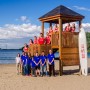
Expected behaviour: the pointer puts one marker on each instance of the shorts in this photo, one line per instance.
(37, 67)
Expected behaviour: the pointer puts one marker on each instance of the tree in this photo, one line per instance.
(88, 39)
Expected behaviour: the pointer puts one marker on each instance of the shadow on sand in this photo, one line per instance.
(71, 72)
(68, 72)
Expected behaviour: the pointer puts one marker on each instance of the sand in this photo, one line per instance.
(71, 80)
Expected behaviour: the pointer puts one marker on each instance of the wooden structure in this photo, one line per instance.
(39, 48)
(67, 42)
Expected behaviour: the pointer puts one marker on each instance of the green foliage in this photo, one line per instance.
(21, 48)
(88, 40)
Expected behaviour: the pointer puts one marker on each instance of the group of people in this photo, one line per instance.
(47, 40)
(36, 65)
(41, 40)
(44, 40)
(70, 28)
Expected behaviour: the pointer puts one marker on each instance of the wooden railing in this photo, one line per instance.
(69, 39)
(39, 48)
(70, 52)
(55, 40)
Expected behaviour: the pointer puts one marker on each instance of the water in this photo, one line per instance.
(8, 56)
(88, 55)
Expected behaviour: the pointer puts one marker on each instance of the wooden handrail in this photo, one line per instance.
(69, 39)
(39, 48)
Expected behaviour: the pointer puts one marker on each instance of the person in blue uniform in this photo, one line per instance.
(51, 63)
(33, 67)
(25, 62)
(37, 60)
(43, 67)
(22, 59)
(29, 63)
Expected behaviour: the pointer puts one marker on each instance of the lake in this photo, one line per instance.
(8, 56)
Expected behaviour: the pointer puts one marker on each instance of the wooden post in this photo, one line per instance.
(43, 28)
(60, 46)
(50, 24)
(80, 24)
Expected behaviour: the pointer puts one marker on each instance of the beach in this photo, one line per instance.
(71, 80)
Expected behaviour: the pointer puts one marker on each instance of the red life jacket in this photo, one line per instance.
(25, 49)
(30, 43)
(72, 29)
(48, 41)
(35, 41)
(41, 40)
(50, 31)
(56, 29)
(67, 29)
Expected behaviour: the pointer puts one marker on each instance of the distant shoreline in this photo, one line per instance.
(10, 49)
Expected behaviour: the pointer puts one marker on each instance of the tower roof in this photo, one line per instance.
(61, 11)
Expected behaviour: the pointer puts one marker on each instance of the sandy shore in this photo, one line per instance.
(71, 80)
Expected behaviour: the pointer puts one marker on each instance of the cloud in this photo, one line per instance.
(14, 36)
(82, 8)
(13, 31)
(86, 26)
(10, 31)
(23, 19)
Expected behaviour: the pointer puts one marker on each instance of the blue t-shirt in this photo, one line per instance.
(22, 57)
(50, 58)
(37, 59)
(33, 63)
(25, 61)
(29, 61)
(43, 58)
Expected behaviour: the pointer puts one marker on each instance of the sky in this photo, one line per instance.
(19, 18)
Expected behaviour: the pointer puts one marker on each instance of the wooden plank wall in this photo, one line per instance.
(70, 52)
(55, 40)
(39, 48)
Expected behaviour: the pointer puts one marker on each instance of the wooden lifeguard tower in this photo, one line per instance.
(68, 41)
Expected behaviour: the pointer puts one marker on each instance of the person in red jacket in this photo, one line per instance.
(65, 35)
(30, 42)
(50, 31)
(47, 39)
(73, 27)
(35, 40)
(68, 28)
(56, 28)
(25, 49)
(41, 39)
